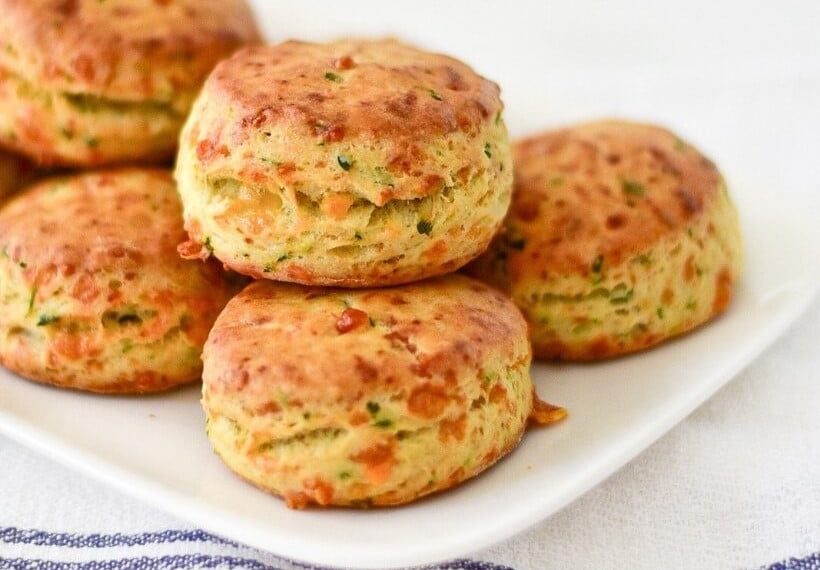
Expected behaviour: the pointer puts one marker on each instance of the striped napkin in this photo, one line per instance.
(166, 550)
(24, 549)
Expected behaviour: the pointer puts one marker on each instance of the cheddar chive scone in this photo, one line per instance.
(354, 163)
(86, 82)
(367, 397)
(93, 294)
(620, 236)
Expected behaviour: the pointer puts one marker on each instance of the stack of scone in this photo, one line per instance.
(93, 294)
(360, 164)
(350, 180)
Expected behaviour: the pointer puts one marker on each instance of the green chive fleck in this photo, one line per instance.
(382, 176)
(46, 320)
(598, 264)
(267, 268)
(659, 312)
(621, 295)
(31, 299)
(358, 236)
(488, 151)
(208, 245)
(373, 408)
(434, 94)
(344, 162)
(632, 187)
(384, 423)
(424, 227)
(330, 76)
(91, 142)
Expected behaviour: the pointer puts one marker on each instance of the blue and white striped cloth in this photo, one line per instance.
(30, 549)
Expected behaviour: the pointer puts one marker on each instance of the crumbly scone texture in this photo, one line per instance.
(620, 235)
(367, 397)
(86, 82)
(354, 163)
(15, 172)
(93, 294)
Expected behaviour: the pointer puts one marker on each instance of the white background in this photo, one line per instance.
(710, 69)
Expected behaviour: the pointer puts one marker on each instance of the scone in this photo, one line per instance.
(93, 295)
(620, 235)
(367, 397)
(15, 172)
(354, 164)
(91, 82)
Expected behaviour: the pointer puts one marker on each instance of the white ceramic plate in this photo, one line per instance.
(155, 447)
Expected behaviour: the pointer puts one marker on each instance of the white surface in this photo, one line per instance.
(737, 485)
(746, 92)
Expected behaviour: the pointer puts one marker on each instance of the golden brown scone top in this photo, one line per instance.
(126, 220)
(121, 49)
(417, 341)
(602, 190)
(353, 88)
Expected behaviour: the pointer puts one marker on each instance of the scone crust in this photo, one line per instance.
(382, 88)
(372, 397)
(353, 163)
(77, 75)
(620, 235)
(129, 50)
(94, 294)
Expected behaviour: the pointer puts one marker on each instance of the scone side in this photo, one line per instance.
(397, 458)
(248, 214)
(680, 282)
(65, 129)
